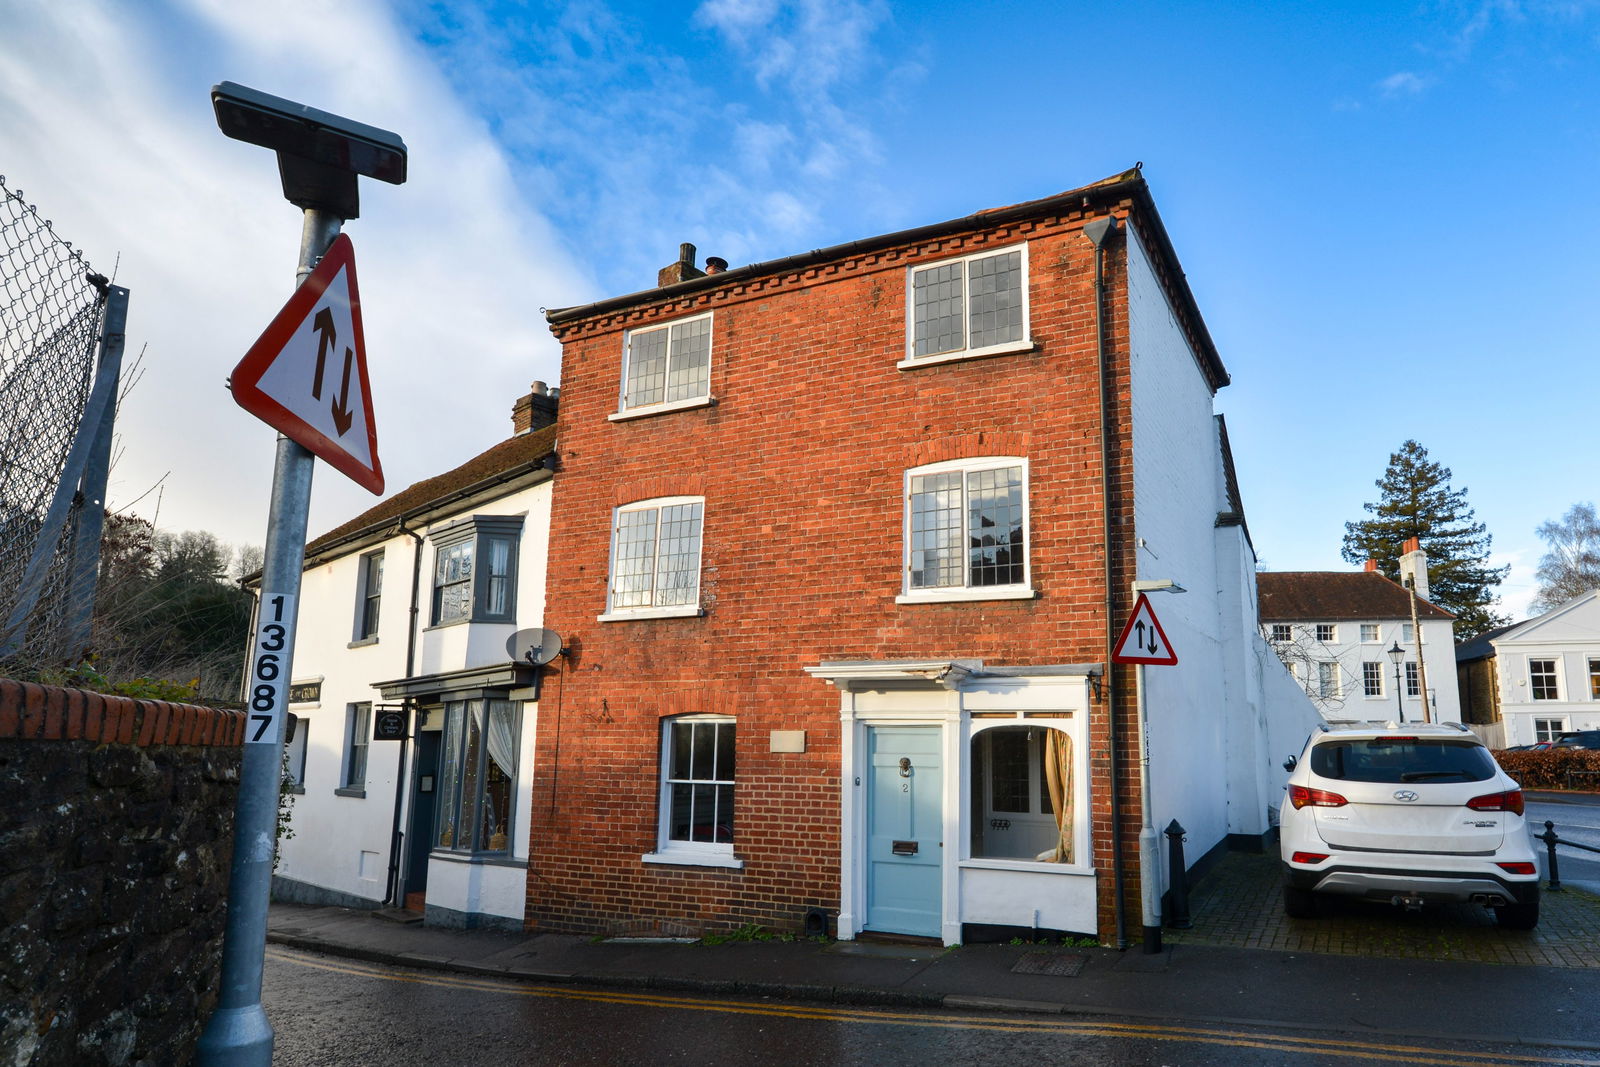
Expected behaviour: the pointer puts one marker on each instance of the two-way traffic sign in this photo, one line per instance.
(1143, 640)
(306, 376)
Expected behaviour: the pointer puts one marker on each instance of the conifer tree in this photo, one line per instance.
(1418, 501)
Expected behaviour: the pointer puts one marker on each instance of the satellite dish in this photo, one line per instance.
(538, 647)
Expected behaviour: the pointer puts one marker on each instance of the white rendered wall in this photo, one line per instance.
(1570, 634)
(1176, 499)
(1349, 652)
(342, 843)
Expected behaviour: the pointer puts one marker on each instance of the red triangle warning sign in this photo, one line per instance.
(306, 376)
(1143, 640)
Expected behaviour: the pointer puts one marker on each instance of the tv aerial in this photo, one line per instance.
(537, 647)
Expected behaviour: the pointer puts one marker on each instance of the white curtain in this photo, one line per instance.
(501, 736)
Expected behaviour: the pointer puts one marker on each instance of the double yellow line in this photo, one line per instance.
(1366, 1051)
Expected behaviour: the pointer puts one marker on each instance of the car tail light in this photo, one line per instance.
(1510, 800)
(1318, 857)
(1518, 868)
(1303, 796)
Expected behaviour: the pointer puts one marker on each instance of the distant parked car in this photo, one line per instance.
(1408, 814)
(1578, 739)
(1537, 746)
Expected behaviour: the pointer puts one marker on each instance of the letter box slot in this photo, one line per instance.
(905, 848)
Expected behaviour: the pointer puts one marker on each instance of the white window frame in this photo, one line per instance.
(1327, 632)
(1546, 728)
(1022, 590)
(625, 410)
(1408, 634)
(1370, 632)
(1594, 679)
(615, 613)
(1554, 675)
(357, 749)
(689, 853)
(1328, 679)
(1021, 344)
(1413, 679)
(1371, 669)
(1280, 631)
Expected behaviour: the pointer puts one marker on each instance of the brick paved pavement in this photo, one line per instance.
(1239, 904)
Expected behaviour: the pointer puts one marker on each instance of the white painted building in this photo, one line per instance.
(1545, 672)
(406, 611)
(1336, 632)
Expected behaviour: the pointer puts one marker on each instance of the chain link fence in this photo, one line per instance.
(50, 315)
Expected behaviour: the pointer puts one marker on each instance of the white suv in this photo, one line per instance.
(1407, 813)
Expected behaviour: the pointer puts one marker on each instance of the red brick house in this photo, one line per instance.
(835, 585)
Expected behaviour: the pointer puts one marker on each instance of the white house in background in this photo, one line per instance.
(1545, 672)
(1336, 630)
(407, 609)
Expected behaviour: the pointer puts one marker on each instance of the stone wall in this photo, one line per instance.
(116, 832)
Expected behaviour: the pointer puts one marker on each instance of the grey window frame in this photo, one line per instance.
(480, 531)
(369, 603)
(357, 749)
(450, 797)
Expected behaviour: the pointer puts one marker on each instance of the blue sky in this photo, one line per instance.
(1386, 211)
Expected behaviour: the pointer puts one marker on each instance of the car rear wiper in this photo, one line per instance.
(1417, 776)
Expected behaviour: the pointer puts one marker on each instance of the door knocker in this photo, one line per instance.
(905, 766)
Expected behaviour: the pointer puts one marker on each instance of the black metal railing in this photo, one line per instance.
(1551, 839)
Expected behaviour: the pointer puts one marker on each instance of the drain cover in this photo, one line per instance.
(1059, 964)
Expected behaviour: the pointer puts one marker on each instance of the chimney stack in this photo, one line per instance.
(1414, 567)
(1370, 567)
(681, 271)
(536, 410)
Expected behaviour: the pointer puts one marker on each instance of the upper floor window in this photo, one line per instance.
(1372, 678)
(1369, 631)
(1327, 632)
(655, 558)
(1542, 679)
(1282, 631)
(973, 306)
(966, 530)
(369, 594)
(667, 366)
(697, 791)
(1327, 680)
(475, 570)
(1408, 634)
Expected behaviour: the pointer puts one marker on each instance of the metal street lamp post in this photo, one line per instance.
(1396, 654)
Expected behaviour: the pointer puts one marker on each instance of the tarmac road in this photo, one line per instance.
(330, 1012)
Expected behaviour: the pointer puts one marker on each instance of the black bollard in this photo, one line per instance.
(1178, 895)
(1549, 838)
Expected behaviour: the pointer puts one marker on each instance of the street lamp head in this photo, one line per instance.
(319, 154)
(1396, 654)
(1158, 585)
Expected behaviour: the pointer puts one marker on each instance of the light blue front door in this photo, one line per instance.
(905, 829)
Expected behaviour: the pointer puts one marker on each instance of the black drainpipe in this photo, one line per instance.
(393, 893)
(1099, 231)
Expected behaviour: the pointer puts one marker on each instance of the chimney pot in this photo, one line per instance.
(716, 264)
(540, 389)
(1371, 566)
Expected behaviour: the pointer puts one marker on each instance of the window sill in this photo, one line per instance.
(346, 791)
(913, 362)
(362, 642)
(661, 409)
(679, 611)
(298, 789)
(481, 859)
(1031, 866)
(694, 859)
(953, 596)
(464, 620)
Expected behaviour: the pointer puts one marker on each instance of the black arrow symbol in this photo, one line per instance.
(341, 409)
(323, 323)
(1138, 634)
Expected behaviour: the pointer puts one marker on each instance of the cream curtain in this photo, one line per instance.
(1058, 779)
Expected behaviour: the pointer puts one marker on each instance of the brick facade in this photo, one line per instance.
(801, 462)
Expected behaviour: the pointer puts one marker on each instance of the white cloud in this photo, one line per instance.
(1403, 83)
(109, 129)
